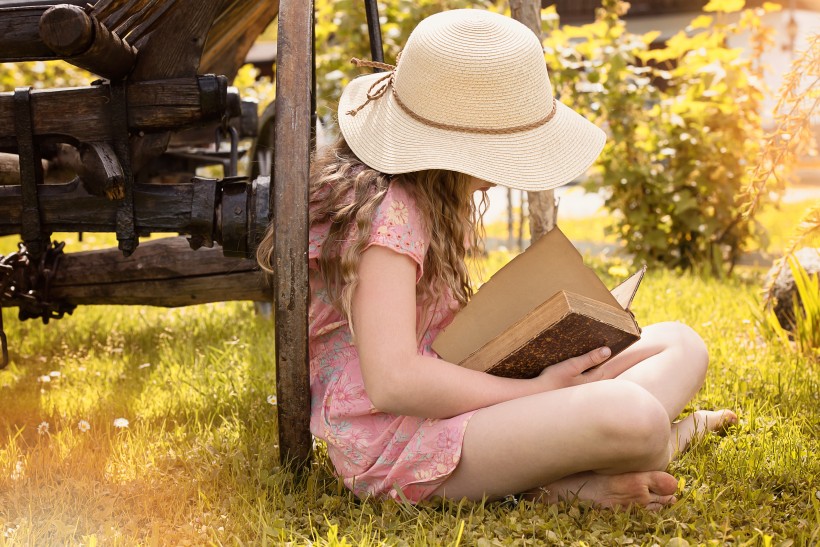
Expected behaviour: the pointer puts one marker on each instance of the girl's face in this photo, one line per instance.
(477, 184)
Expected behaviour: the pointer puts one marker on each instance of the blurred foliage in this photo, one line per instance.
(792, 137)
(683, 120)
(252, 86)
(341, 33)
(42, 74)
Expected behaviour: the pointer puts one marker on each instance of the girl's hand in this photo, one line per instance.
(576, 371)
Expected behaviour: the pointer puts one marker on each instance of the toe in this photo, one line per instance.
(662, 484)
(727, 418)
(661, 502)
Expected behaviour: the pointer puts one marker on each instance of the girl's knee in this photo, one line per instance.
(633, 417)
(686, 342)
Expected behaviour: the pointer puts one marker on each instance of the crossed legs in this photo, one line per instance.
(608, 441)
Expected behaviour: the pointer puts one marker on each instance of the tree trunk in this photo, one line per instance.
(542, 209)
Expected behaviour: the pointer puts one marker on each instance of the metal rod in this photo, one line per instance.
(374, 30)
(313, 117)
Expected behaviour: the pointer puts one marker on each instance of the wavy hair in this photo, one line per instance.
(346, 192)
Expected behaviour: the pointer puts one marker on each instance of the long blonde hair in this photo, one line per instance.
(346, 192)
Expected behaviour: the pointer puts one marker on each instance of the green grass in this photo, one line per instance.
(198, 462)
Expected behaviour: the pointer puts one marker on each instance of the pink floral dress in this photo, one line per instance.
(375, 453)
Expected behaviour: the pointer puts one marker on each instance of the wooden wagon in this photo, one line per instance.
(131, 142)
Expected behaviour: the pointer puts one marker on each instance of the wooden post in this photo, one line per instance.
(541, 204)
(289, 207)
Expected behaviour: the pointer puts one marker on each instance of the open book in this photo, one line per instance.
(543, 307)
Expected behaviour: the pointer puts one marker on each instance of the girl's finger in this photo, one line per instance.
(593, 358)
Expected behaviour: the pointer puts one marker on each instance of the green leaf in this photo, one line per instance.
(726, 6)
(701, 21)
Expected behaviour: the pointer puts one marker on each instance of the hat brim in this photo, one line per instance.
(386, 138)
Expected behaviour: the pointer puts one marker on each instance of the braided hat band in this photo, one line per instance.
(470, 93)
(380, 87)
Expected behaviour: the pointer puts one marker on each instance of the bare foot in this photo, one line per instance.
(696, 425)
(650, 489)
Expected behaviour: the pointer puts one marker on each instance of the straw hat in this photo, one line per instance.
(470, 94)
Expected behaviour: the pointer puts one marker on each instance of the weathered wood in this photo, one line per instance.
(20, 35)
(83, 113)
(70, 208)
(174, 49)
(83, 41)
(10, 169)
(190, 209)
(132, 17)
(63, 163)
(63, 32)
(234, 32)
(203, 136)
(290, 208)
(542, 208)
(163, 272)
(67, 30)
(42, 3)
(101, 171)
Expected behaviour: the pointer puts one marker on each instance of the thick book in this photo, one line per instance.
(543, 307)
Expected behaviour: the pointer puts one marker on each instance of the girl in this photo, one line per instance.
(469, 105)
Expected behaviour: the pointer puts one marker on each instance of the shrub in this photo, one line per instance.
(683, 123)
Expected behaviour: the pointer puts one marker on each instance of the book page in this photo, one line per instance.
(625, 292)
(550, 265)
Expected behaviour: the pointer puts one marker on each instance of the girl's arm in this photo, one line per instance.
(400, 381)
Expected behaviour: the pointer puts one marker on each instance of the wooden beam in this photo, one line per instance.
(83, 41)
(83, 113)
(174, 48)
(163, 272)
(233, 34)
(20, 35)
(70, 208)
(289, 206)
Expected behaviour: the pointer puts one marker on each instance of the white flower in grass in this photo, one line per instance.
(121, 423)
(83, 426)
(44, 378)
(271, 399)
(19, 471)
(42, 429)
(55, 374)
(144, 365)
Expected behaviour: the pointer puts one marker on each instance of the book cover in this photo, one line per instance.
(543, 307)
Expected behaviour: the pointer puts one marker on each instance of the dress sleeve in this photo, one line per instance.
(398, 226)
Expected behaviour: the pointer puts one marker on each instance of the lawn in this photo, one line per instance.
(131, 425)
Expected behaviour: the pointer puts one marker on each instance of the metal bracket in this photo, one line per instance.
(126, 223)
(234, 217)
(203, 212)
(4, 344)
(31, 171)
(25, 282)
(230, 130)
